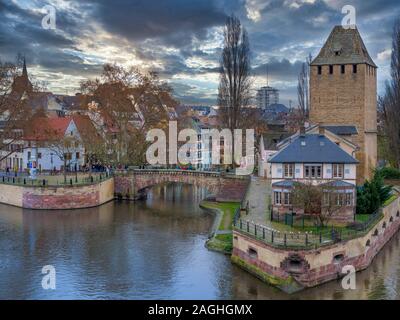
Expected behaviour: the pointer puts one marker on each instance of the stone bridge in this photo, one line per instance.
(133, 184)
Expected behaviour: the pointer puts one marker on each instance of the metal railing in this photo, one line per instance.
(53, 181)
(180, 171)
(308, 239)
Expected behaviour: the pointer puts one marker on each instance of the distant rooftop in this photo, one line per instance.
(344, 46)
(312, 148)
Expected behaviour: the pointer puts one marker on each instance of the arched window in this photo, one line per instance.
(376, 232)
(368, 243)
(391, 219)
(384, 225)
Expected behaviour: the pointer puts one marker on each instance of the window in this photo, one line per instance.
(354, 68)
(67, 156)
(288, 170)
(286, 198)
(337, 170)
(326, 198)
(342, 68)
(319, 69)
(349, 199)
(313, 171)
(277, 198)
(29, 155)
(39, 155)
(330, 69)
(339, 199)
(77, 155)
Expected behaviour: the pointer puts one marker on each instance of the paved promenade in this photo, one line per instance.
(259, 197)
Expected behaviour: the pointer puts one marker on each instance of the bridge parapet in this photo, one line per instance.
(134, 183)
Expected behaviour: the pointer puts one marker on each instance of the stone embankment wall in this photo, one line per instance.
(292, 269)
(57, 197)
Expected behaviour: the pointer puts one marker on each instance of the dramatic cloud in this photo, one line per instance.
(182, 39)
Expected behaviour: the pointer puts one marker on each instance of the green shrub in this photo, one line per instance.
(373, 194)
(389, 173)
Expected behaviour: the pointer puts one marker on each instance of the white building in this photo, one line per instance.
(266, 96)
(316, 159)
(43, 146)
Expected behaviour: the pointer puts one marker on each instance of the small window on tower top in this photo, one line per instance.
(319, 69)
(354, 68)
(330, 69)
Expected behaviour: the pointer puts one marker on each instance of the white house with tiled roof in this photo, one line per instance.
(313, 158)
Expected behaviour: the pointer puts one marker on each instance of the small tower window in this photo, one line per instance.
(354, 68)
(342, 68)
(319, 69)
(330, 69)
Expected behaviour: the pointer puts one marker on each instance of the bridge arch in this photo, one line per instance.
(133, 184)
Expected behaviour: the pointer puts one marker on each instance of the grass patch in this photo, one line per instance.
(222, 242)
(228, 209)
(362, 217)
(390, 200)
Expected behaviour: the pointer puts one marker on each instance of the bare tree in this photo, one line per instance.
(318, 201)
(234, 93)
(390, 103)
(303, 90)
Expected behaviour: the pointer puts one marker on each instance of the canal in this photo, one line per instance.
(147, 250)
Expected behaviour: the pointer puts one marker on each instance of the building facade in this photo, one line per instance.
(313, 158)
(267, 96)
(343, 93)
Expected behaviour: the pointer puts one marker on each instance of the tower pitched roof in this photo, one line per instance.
(343, 46)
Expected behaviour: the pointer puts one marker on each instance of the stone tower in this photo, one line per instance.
(343, 93)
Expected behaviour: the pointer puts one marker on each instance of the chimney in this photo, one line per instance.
(321, 131)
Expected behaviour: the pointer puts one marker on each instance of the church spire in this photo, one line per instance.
(24, 70)
(21, 83)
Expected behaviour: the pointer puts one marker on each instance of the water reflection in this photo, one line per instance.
(146, 250)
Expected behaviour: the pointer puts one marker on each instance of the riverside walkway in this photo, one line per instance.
(258, 197)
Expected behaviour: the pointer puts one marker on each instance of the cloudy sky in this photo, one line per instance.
(181, 39)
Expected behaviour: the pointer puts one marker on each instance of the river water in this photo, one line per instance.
(147, 250)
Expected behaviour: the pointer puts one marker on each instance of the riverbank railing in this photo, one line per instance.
(55, 180)
(306, 239)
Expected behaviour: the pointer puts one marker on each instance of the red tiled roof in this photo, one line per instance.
(47, 128)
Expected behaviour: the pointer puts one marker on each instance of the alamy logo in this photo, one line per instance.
(349, 20)
(49, 20)
(49, 278)
(196, 148)
(349, 280)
